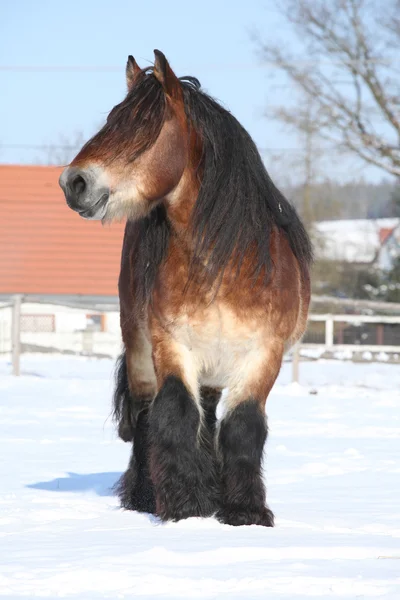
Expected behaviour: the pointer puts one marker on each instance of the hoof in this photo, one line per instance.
(237, 517)
(134, 495)
(192, 507)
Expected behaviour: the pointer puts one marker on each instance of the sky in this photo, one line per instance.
(62, 65)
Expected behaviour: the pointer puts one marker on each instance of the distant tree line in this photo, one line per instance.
(356, 200)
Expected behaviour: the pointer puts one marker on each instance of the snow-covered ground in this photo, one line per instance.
(332, 470)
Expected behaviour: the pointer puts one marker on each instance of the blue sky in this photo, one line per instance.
(209, 39)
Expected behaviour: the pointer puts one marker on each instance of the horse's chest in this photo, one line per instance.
(217, 342)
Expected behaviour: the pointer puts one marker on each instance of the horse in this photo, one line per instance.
(214, 287)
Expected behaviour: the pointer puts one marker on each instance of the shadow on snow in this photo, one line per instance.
(100, 483)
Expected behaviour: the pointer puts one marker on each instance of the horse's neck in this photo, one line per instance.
(180, 204)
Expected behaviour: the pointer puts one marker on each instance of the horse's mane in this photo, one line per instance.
(238, 205)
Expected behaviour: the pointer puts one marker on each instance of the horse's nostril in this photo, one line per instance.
(78, 185)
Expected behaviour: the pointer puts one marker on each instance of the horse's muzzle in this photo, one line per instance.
(84, 193)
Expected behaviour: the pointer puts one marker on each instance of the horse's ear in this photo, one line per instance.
(132, 71)
(165, 75)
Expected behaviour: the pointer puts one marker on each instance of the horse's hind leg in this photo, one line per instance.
(182, 460)
(125, 405)
(242, 436)
(135, 488)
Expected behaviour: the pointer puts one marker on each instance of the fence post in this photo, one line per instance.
(16, 334)
(295, 362)
(87, 341)
(329, 332)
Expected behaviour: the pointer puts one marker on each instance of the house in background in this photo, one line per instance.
(389, 250)
(47, 249)
(50, 252)
(363, 242)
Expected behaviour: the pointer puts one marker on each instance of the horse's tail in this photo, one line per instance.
(123, 401)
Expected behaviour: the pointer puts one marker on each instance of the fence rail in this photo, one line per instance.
(90, 327)
(353, 332)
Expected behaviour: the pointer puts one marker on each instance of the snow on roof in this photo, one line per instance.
(356, 240)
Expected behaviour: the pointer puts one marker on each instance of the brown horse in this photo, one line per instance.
(214, 287)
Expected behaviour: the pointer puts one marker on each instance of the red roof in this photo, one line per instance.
(46, 248)
(384, 233)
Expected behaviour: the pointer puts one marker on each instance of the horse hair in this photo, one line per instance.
(238, 205)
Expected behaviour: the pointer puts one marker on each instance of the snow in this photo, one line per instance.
(356, 240)
(332, 470)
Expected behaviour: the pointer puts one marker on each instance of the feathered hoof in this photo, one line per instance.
(237, 517)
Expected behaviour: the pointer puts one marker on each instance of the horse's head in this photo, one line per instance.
(138, 157)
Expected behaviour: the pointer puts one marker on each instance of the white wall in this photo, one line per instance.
(70, 333)
(5, 330)
(112, 322)
(89, 342)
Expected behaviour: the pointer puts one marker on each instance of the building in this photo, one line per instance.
(389, 250)
(359, 241)
(45, 248)
(67, 267)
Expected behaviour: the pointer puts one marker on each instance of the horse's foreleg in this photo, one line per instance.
(242, 436)
(182, 463)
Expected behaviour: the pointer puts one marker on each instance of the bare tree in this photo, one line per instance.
(350, 73)
(62, 152)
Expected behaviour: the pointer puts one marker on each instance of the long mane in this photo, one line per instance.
(237, 207)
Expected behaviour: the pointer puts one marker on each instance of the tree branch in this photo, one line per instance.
(366, 119)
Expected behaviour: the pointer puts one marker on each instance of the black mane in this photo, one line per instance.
(238, 205)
